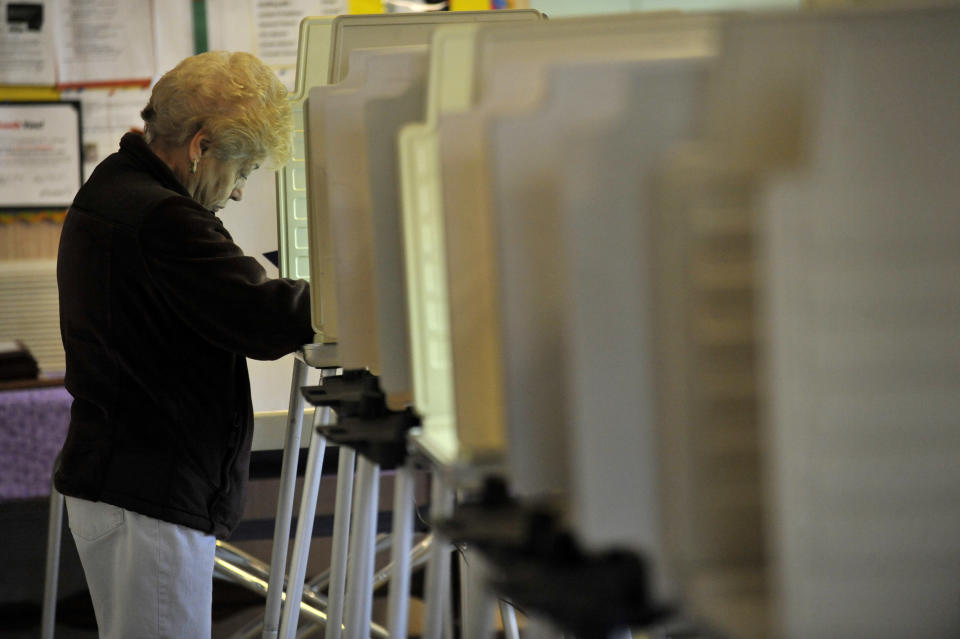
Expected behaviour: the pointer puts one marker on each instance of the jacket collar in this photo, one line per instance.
(134, 146)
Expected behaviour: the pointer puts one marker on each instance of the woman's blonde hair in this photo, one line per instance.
(235, 97)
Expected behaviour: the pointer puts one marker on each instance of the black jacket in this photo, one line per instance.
(158, 308)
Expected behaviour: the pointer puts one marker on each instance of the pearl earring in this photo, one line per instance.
(193, 167)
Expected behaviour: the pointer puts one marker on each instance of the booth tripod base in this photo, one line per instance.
(342, 602)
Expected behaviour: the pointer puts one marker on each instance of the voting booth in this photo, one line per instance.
(350, 66)
(684, 284)
(326, 44)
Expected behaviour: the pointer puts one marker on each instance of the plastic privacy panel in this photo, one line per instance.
(703, 251)
(862, 287)
(451, 256)
(363, 227)
(384, 116)
(313, 64)
(353, 32)
(573, 284)
(804, 296)
(424, 247)
(323, 58)
(323, 269)
(480, 417)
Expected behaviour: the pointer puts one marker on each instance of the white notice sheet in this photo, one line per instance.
(278, 26)
(39, 154)
(26, 43)
(270, 29)
(107, 115)
(104, 41)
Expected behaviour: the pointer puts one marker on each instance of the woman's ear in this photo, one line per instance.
(195, 147)
(199, 144)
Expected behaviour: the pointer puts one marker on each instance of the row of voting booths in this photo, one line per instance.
(666, 304)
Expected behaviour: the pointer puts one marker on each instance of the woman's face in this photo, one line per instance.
(219, 181)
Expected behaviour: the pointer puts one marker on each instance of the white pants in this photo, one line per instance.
(148, 579)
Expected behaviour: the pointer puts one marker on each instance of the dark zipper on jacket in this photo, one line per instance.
(230, 459)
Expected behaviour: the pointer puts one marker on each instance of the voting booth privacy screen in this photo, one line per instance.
(691, 278)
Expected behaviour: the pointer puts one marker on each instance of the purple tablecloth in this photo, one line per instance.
(33, 425)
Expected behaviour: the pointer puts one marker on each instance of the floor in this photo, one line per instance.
(233, 608)
(23, 527)
(22, 556)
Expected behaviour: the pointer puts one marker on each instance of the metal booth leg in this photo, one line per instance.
(398, 604)
(308, 508)
(508, 615)
(359, 598)
(438, 570)
(370, 556)
(54, 530)
(288, 478)
(338, 554)
(477, 601)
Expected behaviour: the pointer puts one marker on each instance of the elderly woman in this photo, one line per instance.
(159, 309)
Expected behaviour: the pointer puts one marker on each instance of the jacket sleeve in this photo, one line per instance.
(223, 294)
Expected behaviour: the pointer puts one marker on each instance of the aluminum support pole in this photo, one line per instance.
(288, 478)
(308, 508)
(508, 616)
(438, 570)
(360, 547)
(54, 531)
(398, 603)
(341, 532)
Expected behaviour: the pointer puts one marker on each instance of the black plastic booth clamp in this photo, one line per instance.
(539, 567)
(364, 422)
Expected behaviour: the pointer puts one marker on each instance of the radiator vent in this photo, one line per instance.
(29, 310)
